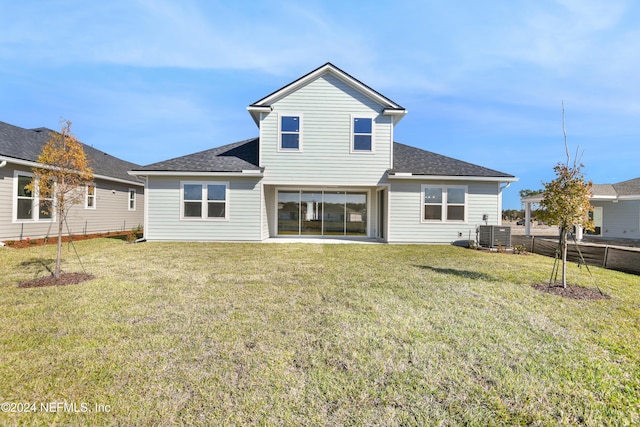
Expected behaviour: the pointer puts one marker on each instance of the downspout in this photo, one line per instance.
(145, 214)
(500, 207)
(3, 164)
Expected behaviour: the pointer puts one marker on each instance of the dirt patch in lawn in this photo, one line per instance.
(571, 291)
(63, 280)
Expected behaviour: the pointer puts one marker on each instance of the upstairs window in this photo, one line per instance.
(290, 133)
(362, 138)
(204, 200)
(444, 203)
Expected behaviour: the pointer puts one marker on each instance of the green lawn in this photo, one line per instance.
(303, 334)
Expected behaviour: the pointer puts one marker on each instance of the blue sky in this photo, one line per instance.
(484, 82)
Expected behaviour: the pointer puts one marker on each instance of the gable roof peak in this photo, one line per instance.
(264, 104)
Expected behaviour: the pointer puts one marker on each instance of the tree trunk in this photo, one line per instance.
(56, 273)
(564, 258)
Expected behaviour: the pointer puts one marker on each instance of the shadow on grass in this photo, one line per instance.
(38, 264)
(467, 274)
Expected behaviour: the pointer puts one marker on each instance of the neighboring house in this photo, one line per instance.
(616, 209)
(324, 165)
(114, 203)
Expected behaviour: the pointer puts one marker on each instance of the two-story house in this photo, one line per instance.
(324, 165)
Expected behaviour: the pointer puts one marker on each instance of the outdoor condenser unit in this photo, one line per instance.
(490, 236)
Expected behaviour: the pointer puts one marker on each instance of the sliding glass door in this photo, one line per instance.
(322, 213)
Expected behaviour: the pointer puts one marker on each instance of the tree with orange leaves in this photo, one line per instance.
(62, 176)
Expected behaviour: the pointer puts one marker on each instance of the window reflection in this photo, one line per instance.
(322, 213)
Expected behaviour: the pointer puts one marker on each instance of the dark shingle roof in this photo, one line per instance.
(603, 190)
(416, 161)
(243, 155)
(26, 144)
(234, 157)
(628, 188)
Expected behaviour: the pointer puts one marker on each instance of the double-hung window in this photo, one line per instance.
(362, 134)
(290, 133)
(29, 206)
(90, 197)
(132, 199)
(204, 200)
(444, 203)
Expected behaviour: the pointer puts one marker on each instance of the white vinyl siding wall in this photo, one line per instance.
(164, 204)
(620, 220)
(405, 212)
(327, 106)
(111, 213)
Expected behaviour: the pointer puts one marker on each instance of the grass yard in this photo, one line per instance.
(303, 334)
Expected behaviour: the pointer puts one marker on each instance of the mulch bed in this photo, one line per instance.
(28, 243)
(571, 291)
(63, 280)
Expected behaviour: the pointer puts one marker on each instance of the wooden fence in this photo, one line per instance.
(611, 257)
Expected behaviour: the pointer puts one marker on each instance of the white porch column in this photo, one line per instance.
(579, 233)
(527, 219)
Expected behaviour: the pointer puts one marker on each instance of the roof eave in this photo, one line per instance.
(396, 113)
(256, 110)
(32, 164)
(243, 173)
(412, 176)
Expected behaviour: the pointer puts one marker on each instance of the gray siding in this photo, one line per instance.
(405, 210)
(620, 220)
(163, 216)
(326, 106)
(111, 212)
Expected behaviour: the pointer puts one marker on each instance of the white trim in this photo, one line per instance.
(203, 201)
(393, 112)
(135, 201)
(143, 174)
(35, 202)
(352, 118)
(322, 190)
(145, 213)
(444, 204)
(300, 132)
(260, 137)
(259, 109)
(86, 196)
(395, 115)
(323, 184)
(409, 175)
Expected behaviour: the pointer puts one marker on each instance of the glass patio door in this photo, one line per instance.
(322, 213)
